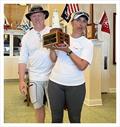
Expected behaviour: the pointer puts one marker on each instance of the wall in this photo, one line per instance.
(10, 67)
(110, 9)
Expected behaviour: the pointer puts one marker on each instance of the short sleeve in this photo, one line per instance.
(23, 58)
(87, 52)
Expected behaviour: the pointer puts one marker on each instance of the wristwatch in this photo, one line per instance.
(69, 52)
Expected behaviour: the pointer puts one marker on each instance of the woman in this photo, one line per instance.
(67, 83)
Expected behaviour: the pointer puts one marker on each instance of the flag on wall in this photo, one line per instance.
(68, 10)
(105, 23)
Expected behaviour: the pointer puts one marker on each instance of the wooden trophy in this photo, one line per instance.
(56, 37)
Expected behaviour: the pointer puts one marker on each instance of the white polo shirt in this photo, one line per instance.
(35, 56)
(65, 72)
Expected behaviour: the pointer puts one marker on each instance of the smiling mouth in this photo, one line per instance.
(80, 28)
(37, 22)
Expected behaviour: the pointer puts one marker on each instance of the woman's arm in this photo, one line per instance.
(80, 63)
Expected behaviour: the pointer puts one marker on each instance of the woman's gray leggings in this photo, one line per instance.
(70, 96)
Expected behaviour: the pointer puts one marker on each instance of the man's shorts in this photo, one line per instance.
(38, 93)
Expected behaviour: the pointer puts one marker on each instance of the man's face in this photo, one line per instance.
(37, 18)
(80, 23)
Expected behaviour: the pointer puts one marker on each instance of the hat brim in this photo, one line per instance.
(46, 13)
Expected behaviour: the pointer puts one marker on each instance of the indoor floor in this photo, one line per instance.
(17, 111)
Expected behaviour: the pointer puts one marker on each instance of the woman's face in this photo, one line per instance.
(79, 24)
(37, 19)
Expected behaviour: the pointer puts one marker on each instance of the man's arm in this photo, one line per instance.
(53, 55)
(22, 84)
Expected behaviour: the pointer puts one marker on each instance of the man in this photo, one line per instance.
(37, 59)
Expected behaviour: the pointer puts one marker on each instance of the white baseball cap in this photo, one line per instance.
(79, 14)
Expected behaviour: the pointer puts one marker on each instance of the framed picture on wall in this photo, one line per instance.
(92, 31)
(89, 31)
(114, 38)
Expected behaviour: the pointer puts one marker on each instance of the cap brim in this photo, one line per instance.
(78, 16)
(84, 16)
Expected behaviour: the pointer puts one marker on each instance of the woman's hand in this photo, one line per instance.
(63, 47)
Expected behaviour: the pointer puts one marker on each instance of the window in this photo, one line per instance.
(16, 44)
(12, 42)
(6, 45)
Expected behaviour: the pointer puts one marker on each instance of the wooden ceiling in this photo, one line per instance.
(14, 14)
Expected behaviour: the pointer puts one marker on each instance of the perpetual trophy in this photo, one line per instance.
(56, 37)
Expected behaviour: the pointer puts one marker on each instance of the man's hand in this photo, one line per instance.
(23, 87)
